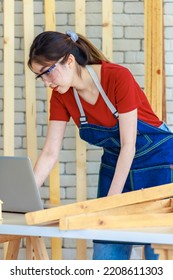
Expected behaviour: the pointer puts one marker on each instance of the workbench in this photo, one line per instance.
(14, 227)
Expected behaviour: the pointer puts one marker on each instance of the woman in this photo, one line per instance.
(111, 111)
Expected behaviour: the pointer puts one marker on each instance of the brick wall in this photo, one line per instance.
(128, 50)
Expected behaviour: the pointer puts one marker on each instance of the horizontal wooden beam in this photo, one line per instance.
(158, 206)
(100, 221)
(9, 237)
(99, 204)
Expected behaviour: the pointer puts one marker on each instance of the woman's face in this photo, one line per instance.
(56, 76)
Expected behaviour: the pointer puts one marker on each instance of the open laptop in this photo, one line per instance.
(18, 190)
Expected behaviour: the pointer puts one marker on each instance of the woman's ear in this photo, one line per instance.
(71, 60)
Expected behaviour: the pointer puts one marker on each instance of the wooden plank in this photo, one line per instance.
(107, 28)
(162, 61)
(39, 248)
(8, 94)
(157, 56)
(13, 249)
(80, 16)
(100, 221)
(54, 183)
(165, 251)
(81, 185)
(30, 255)
(81, 188)
(154, 56)
(8, 113)
(163, 246)
(54, 178)
(99, 204)
(30, 93)
(80, 144)
(8, 237)
(171, 202)
(162, 253)
(148, 47)
(50, 15)
(158, 206)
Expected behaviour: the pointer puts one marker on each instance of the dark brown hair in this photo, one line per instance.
(51, 46)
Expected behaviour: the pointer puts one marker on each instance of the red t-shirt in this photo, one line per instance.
(121, 89)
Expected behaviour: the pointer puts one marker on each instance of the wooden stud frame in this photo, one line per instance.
(154, 87)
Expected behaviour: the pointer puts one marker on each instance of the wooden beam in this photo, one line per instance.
(9, 237)
(54, 178)
(39, 248)
(30, 93)
(165, 251)
(81, 185)
(158, 206)
(154, 56)
(135, 215)
(13, 249)
(8, 78)
(99, 221)
(30, 255)
(8, 95)
(80, 16)
(107, 45)
(99, 204)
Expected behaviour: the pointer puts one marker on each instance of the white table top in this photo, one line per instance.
(15, 224)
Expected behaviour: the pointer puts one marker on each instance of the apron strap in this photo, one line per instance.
(102, 92)
(83, 118)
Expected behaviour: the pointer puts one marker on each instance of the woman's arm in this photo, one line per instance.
(50, 153)
(128, 132)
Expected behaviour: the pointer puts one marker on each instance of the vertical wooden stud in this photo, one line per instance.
(81, 188)
(31, 127)
(8, 78)
(154, 56)
(8, 139)
(107, 28)
(54, 179)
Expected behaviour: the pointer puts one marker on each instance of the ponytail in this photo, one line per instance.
(51, 46)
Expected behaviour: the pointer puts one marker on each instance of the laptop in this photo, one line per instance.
(18, 190)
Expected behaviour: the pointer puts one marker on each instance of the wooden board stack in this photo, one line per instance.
(142, 208)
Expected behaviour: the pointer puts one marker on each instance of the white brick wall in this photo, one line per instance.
(128, 41)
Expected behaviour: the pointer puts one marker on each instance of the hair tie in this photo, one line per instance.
(74, 37)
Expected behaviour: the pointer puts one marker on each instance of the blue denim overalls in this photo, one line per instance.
(152, 164)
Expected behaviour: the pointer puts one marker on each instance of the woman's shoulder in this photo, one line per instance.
(115, 71)
(114, 66)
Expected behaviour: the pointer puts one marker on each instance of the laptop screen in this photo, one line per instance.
(18, 190)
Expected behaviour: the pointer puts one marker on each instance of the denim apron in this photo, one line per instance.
(153, 161)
